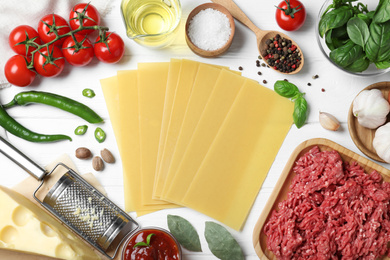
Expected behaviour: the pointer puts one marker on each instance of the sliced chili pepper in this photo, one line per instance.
(15, 128)
(88, 93)
(80, 130)
(100, 135)
(61, 102)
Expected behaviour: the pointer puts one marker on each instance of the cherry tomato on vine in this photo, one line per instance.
(110, 49)
(49, 61)
(49, 24)
(22, 39)
(88, 13)
(290, 15)
(17, 73)
(78, 53)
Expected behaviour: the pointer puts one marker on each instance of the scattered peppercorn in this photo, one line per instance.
(315, 77)
(259, 57)
(323, 90)
(309, 84)
(264, 81)
(281, 54)
(240, 68)
(263, 64)
(259, 73)
(286, 80)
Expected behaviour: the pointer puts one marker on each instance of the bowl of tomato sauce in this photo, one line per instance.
(152, 243)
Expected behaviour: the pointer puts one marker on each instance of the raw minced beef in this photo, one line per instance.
(333, 210)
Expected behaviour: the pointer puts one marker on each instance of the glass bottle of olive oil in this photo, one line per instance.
(151, 22)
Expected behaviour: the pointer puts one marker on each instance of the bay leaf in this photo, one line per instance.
(221, 243)
(184, 232)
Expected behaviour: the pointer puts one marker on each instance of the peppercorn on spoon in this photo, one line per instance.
(261, 35)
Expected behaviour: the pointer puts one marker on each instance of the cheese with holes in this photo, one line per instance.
(26, 227)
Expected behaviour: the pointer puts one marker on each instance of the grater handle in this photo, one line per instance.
(21, 160)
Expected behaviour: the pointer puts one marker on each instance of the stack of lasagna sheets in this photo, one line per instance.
(195, 135)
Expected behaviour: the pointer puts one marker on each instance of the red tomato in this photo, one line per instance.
(22, 39)
(110, 49)
(17, 73)
(88, 13)
(49, 61)
(49, 24)
(290, 15)
(79, 53)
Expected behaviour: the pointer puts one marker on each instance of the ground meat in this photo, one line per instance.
(333, 210)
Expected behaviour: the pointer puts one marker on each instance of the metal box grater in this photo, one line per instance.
(80, 206)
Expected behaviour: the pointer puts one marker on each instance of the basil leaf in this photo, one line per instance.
(221, 243)
(300, 112)
(378, 47)
(359, 65)
(358, 31)
(329, 40)
(383, 64)
(382, 12)
(335, 18)
(140, 244)
(285, 88)
(184, 232)
(346, 54)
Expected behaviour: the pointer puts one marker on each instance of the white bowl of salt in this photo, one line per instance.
(210, 30)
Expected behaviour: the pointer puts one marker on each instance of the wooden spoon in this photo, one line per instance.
(261, 35)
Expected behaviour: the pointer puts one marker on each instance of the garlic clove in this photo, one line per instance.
(329, 122)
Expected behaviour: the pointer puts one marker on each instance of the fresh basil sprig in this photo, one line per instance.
(184, 232)
(147, 243)
(289, 90)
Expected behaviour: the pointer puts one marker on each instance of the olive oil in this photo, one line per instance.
(151, 22)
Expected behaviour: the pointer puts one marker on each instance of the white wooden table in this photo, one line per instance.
(340, 89)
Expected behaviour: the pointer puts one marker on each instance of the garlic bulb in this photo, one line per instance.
(329, 122)
(371, 108)
(381, 142)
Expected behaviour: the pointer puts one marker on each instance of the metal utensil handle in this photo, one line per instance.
(21, 160)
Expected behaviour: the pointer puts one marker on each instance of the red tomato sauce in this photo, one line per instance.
(162, 246)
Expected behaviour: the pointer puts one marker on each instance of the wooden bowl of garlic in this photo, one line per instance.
(363, 132)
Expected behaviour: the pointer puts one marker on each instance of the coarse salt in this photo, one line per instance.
(209, 29)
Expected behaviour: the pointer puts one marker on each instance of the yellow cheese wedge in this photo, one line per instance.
(173, 76)
(26, 227)
(230, 176)
(184, 85)
(151, 82)
(121, 94)
(227, 87)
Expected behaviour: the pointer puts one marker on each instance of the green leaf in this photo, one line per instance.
(335, 18)
(383, 64)
(285, 89)
(140, 244)
(359, 65)
(221, 243)
(378, 47)
(346, 54)
(300, 111)
(382, 12)
(358, 31)
(184, 232)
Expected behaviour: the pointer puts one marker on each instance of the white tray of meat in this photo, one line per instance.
(329, 203)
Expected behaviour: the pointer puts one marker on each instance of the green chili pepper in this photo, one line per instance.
(88, 93)
(61, 102)
(15, 128)
(100, 135)
(80, 130)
